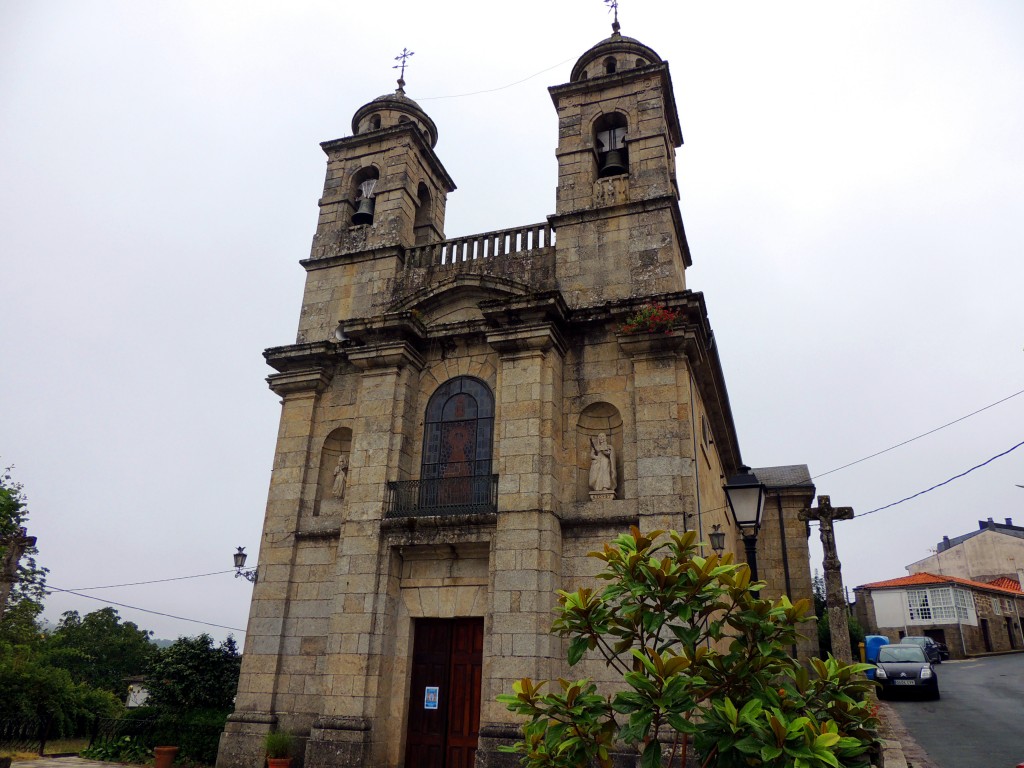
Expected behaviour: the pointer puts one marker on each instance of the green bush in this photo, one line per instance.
(703, 661)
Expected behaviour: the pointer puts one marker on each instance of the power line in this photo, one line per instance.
(492, 90)
(144, 610)
(944, 482)
(923, 434)
(154, 581)
(898, 445)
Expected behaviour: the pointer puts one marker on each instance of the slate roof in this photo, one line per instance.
(927, 579)
(788, 476)
(983, 525)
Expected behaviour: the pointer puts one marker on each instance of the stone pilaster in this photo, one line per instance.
(255, 704)
(526, 551)
(664, 446)
(345, 733)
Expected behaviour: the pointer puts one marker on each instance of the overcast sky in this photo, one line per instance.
(852, 190)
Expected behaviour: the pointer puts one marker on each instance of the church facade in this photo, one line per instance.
(464, 419)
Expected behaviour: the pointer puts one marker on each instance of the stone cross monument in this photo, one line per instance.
(825, 514)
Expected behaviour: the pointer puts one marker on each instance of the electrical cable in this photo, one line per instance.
(493, 90)
(944, 482)
(144, 610)
(154, 581)
(923, 434)
(899, 445)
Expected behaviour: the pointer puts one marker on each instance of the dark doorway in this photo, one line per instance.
(444, 700)
(986, 635)
(1010, 633)
(938, 635)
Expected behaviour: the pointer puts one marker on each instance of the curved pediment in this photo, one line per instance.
(457, 298)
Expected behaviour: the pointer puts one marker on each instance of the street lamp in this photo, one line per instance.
(746, 500)
(717, 537)
(240, 571)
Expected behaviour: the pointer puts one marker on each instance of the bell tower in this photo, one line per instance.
(385, 192)
(620, 233)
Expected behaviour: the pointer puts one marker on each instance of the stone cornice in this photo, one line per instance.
(546, 306)
(385, 354)
(394, 132)
(355, 255)
(292, 357)
(662, 202)
(311, 381)
(536, 337)
(621, 78)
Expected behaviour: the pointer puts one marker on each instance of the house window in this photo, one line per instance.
(458, 435)
(964, 604)
(997, 606)
(920, 608)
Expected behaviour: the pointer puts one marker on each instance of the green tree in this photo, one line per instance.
(194, 674)
(25, 601)
(702, 659)
(100, 649)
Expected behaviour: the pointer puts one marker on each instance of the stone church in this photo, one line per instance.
(464, 419)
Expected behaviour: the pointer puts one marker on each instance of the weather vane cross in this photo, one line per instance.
(403, 58)
(613, 6)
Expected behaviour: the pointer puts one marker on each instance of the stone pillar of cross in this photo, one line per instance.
(835, 602)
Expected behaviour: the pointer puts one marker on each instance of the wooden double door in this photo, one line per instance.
(444, 700)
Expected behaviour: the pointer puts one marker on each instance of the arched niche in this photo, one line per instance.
(421, 224)
(337, 448)
(597, 419)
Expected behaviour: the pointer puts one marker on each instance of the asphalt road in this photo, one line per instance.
(979, 721)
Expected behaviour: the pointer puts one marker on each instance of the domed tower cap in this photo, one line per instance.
(392, 107)
(619, 46)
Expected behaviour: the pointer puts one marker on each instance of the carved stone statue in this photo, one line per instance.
(602, 468)
(340, 476)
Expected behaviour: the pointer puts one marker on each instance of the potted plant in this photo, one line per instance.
(278, 745)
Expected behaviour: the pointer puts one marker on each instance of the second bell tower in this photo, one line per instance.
(620, 233)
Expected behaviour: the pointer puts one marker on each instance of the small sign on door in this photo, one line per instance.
(430, 697)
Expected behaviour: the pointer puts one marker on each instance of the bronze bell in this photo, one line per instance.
(612, 165)
(364, 214)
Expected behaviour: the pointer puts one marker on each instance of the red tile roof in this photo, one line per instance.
(924, 579)
(1006, 583)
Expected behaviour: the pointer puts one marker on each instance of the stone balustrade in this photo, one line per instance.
(472, 249)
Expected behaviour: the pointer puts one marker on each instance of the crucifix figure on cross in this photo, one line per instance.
(835, 602)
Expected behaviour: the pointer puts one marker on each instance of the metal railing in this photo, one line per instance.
(469, 495)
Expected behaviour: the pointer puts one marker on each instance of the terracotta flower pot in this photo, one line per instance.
(164, 756)
(279, 762)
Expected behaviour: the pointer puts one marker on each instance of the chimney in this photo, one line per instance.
(945, 544)
(1009, 521)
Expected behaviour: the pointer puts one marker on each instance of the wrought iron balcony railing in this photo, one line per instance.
(471, 495)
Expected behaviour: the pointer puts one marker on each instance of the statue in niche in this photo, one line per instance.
(602, 468)
(340, 476)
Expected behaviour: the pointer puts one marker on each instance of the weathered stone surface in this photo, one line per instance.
(532, 315)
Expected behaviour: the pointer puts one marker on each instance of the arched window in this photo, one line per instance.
(641, 62)
(458, 437)
(609, 65)
(375, 123)
(610, 145)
